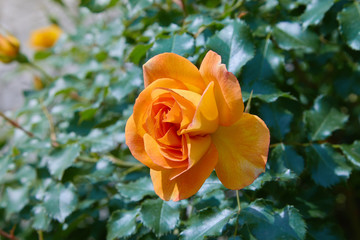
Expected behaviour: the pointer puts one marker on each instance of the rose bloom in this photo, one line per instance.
(44, 38)
(9, 48)
(188, 122)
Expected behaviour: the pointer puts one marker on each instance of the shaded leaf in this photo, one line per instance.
(349, 19)
(287, 158)
(234, 44)
(160, 216)
(266, 222)
(289, 35)
(323, 119)
(315, 12)
(60, 201)
(352, 152)
(327, 166)
(136, 190)
(16, 199)
(41, 218)
(122, 223)
(207, 223)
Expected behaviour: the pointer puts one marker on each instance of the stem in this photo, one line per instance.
(238, 201)
(122, 163)
(40, 234)
(42, 71)
(51, 123)
(16, 125)
(7, 235)
(247, 108)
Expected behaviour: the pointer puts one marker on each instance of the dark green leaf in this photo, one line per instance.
(315, 11)
(160, 216)
(277, 118)
(139, 52)
(234, 44)
(95, 5)
(323, 119)
(61, 159)
(207, 223)
(289, 35)
(327, 166)
(287, 158)
(60, 201)
(136, 190)
(349, 19)
(352, 152)
(180, 44)
(121, 224)
(266, 222)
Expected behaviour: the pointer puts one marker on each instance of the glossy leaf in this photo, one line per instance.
(285, 157)
(266, 222)
(60, 201)
(160, 216)
(323, 119)
(207, 223)
(315, 11)
(327, 166)
(349, 18)
(121, 224)
(136, 190)
(234, 44)
(352, 152)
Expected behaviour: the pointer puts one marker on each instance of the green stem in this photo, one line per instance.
(238, 201)
(42, 71)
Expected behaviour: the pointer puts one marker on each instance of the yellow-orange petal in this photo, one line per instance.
(153, 151)
(187, 184)
(143, 102)
(227, 89)
(206, 118)
(136, 145)
(46, 37)
(243, 150)
(170, 65)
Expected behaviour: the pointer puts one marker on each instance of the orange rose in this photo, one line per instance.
(45, 38)
(9, 48)
(188, 121)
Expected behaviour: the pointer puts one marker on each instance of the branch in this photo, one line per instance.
(51, 123)
(16, 125)
(8, 235)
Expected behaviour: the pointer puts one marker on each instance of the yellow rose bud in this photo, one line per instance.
(37, 82)
(9, 48)
(44, 38)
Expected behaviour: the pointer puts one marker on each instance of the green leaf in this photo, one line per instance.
(41, 218)
(61, 159)
(234, 44)
(160, 216)
(286, 157)
(266, 222)
(352, 152)
(289, 35)
(4, 166)
(136, 190)
(315, 12)
(323, 119)
(207, 223)
(122, 223)
(95, 5)
(139, 52)
(60, 201)
(16, 199)
(327, 166)
(277, 118)
(349, 19)
(183, 45)
(196, 21)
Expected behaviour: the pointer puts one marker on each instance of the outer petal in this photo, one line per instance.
(170, 65)
(186, 184)
(227, 88)
(136, 145)
(243, 149)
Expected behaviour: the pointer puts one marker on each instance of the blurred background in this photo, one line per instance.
(20, 18)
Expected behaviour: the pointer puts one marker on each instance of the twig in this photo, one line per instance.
(122, 163)
(8, 235)
(40, 235)
(16, 125)
(51, 123)
(247, 108)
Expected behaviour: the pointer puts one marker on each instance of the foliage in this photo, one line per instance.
(75, 177)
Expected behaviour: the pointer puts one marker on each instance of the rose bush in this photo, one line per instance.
(188, 121)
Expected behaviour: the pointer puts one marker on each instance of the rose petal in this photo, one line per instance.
(170, 65)
(243, 149)
(186, 184)
(227, 88)
(206, 118)
(136, 145)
